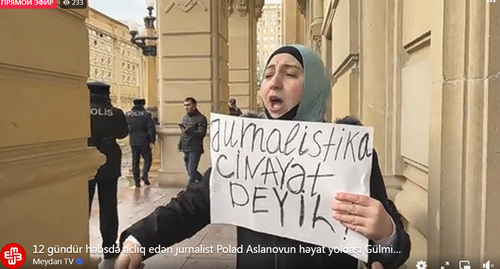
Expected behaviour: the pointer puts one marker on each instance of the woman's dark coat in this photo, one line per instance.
(189, 212)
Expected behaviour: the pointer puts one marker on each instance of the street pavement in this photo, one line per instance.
(134, 204)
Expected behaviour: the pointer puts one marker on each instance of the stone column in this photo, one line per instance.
(151, 75)
(243, 51)
(373, 82)
(315, 23)
(45, 164)
(291, 22)
(465, 135)
(301, 30)
(344, 56)
(152, 101)
(193, 57)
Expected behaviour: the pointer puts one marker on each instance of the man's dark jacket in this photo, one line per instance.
(142, 127)
(235, 111)
(107, 123)
(196, 129)
(189, 212)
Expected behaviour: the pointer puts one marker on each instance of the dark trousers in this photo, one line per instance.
(146, 154)
(107, 189)
(191, 161)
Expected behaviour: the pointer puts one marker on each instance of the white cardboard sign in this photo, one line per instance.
(280, 177)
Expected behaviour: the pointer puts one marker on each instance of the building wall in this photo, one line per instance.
(414, 92)
(45, 163)
(393, 98)
(114, 60)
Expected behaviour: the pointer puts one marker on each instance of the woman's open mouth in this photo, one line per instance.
(275, 103)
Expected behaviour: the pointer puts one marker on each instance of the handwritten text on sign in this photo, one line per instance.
(280, 177)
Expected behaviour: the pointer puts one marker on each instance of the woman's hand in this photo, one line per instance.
(363, 214)
(129, 259)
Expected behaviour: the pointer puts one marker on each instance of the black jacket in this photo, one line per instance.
(107, 123)
(142, 127)
(196, 129)
(189, 212)
(235, 111)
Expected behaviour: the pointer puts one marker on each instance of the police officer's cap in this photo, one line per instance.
(98, 87)
(139, 102)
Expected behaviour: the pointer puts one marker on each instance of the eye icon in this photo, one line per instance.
(66, 2)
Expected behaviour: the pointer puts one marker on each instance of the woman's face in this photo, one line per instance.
(283, 84)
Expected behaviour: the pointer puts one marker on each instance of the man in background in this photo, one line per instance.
(153, 110)
(193, 130)
(233, 108)
(142, 135)
(107, 123)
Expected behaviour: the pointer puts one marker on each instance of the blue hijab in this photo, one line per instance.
(317, 89)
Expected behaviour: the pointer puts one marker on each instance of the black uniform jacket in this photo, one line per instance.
(142, 127)
(108, 123)
(189, 212)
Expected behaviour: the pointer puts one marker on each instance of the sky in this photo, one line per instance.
(126, 10)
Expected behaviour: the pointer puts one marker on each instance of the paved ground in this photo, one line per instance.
(134, 204)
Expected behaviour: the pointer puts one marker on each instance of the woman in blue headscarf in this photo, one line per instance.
(295, 87)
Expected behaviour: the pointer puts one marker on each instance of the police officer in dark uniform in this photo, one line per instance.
(142, 135)
(108, 123)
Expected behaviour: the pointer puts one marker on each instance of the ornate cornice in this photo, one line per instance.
(326, 27)
(317, 40)
(225, 10)
(302, 4)
(229, 4)
(259, 5)
(185, 6)
(243, 8)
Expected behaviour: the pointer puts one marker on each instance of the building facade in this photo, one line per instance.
(115, 60)
(424, 75)
(269, 35)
